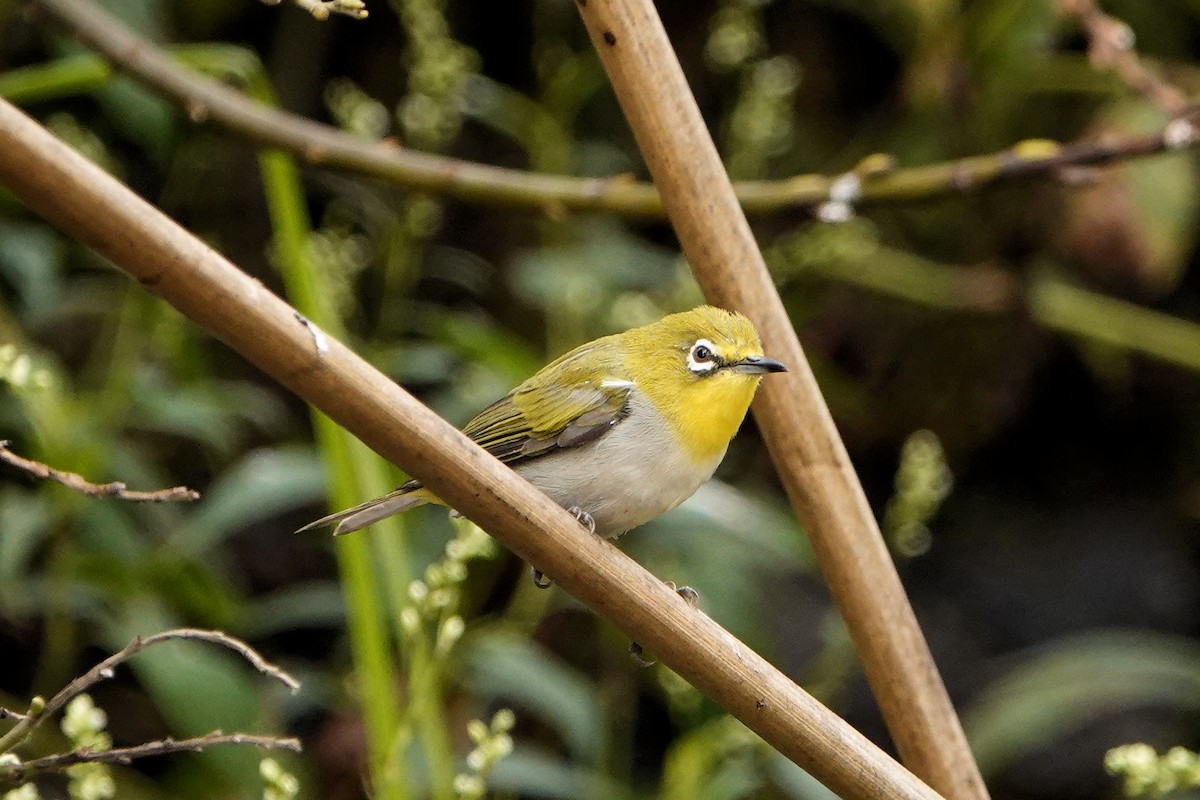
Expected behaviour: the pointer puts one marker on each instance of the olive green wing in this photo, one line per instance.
(572, 401)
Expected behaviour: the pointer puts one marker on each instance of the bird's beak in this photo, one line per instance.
(756, 365)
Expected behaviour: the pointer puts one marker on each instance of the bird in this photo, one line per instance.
(620, 429)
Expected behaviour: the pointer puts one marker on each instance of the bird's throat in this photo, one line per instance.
(709, 413)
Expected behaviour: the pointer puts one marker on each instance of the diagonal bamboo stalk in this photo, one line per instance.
(89, 204)
(792, 414)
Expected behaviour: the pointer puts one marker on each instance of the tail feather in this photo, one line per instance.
(410, 495)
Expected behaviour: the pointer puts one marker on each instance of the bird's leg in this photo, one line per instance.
(586, 520)
(690, 596)
(539, 578)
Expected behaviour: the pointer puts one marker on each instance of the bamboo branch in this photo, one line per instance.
(791, 412)
(206, 99)
(62, 186)
(80, 484)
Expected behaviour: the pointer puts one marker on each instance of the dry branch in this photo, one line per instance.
(80, 484)
(65, 188)
(105, 670)
(791, 412)
(17, 774)
(206, 99)
(1111, 46)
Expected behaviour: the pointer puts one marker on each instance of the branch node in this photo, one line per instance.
(844, 191)
(80, 484)
(1180, 133)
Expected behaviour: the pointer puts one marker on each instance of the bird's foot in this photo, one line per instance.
(539, 578)
(635, 652)
(586, 520)
(690, 596)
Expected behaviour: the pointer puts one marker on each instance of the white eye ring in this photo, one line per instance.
(702, 358)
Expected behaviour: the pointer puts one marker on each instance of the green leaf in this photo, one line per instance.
(264, 484)
(25, 522)
(795, 782)
(585, 274)
(30, 257)
(534, 774)
(719, 760)
(502, 667)
(210, 411)
(1055, 689)
(310, 605)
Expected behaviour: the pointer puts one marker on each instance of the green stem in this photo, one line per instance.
(1057, 304)
(424, 714)
(348, 471)
(426, 701)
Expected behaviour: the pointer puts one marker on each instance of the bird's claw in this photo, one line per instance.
(584, 518)
(539, 579)
(690, 596)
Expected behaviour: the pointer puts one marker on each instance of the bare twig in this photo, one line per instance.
(1111, 46)
(78, 483)
(207, 99)
(105, 669)
(17, 774)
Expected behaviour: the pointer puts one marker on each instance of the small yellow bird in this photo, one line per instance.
(620, 429)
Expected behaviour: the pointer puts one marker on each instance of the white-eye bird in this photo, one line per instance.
(620, 429)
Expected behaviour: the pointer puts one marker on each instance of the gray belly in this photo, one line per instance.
(627, 477)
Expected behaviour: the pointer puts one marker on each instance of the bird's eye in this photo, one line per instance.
(702, 359)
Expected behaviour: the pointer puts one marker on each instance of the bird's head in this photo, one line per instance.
(700, 368)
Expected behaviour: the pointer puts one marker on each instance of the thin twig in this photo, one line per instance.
(1111, 46)
(78, 483)
(17, 774)
(105, 669)
(204, 98)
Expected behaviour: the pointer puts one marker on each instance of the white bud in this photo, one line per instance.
(477, 732)
(449, 634)
(1180, 133)
(410, 620)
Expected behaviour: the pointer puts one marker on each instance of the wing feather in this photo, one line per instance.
(569, 403)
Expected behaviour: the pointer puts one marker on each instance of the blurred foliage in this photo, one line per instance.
(1147, 773)
(1038, 342)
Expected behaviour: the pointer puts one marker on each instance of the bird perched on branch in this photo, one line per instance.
(620, 429)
